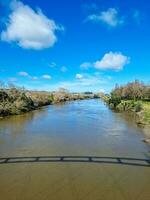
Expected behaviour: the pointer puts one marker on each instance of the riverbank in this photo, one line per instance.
(133, 97)
(15, 101)
(139, 109)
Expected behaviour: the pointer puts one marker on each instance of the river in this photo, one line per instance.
(77, 150)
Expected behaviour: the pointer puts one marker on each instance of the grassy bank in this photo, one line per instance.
(132, 97)
(14, 101)
(139, 107)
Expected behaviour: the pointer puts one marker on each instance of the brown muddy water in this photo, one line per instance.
(76, 151)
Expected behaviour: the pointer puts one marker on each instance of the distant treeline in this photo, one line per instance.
(14, 100)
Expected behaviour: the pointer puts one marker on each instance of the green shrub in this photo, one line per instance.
(138, 107)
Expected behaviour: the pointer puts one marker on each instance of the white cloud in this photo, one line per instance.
(85, 65)
(113, 61)
(109, 17)
(79, 76)
(30, 29)
(110, 61)
(34, 78)
(92, 82)
(23, 74)
(46, 76)
(63, 69)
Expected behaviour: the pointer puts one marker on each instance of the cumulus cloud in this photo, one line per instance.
(109, 17)
(23, 74)
(79, 76)
(113, 61)
(30, 29)
(46, 76)
(110, 61)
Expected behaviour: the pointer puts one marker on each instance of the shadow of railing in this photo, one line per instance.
(81, 159)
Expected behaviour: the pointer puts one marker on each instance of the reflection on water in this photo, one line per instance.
(19, 121)
(81, 128)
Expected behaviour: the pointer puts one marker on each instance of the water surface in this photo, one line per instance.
(81, 128)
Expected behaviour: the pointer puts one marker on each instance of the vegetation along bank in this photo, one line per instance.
(133, 97)
(14, 101)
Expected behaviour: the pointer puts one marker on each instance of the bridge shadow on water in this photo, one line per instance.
(78, 159)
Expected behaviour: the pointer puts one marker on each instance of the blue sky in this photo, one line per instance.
(82, 45)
